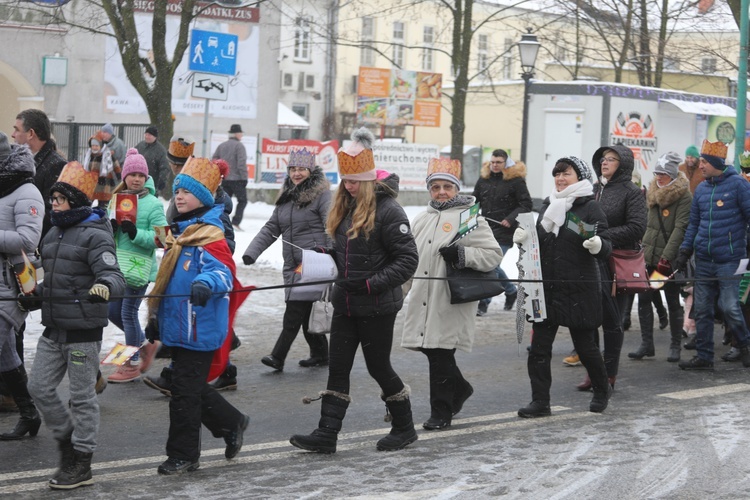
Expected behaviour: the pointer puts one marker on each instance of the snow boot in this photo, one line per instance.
(30, 420)
(402, 426)
(76, 474)
(332, 412)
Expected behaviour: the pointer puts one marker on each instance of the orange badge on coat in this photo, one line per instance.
(447, 227)
(665, 213)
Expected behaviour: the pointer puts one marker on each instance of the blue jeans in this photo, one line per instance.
(124, 314)
(727, 288)
(509, 288)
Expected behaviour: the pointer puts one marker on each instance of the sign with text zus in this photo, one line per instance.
(207, 86)
(213, 52)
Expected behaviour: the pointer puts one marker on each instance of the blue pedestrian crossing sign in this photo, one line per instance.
(213, 52)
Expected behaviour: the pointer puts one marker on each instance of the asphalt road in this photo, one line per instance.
(666, 434)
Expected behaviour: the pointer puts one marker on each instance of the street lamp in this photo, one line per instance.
(528, 49)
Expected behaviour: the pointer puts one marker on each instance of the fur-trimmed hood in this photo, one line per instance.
(516, 171)
(19, 160)
(667, 195)
(306, 191)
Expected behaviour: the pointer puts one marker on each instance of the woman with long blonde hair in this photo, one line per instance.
(375, 254)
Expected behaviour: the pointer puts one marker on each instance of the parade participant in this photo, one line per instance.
(570, 270)
(375, 254)
(235, 183)
(197, 259)
(717, 233)
(101, 160)
(668, 199)
(78, 255)
(21, 216)
(299, 218)
(502, 194)
(136, 252)
(433, 325)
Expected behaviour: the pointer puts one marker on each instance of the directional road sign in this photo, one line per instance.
(213, 52)
(207, 86)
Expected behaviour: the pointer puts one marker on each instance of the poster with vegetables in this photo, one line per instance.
(399, 97)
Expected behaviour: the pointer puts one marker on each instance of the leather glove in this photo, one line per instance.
(129, 228)
(593, 245)
(29, 302)
(115, 225)
(152, 330)
(519, 236)
(355, 287)
(664, 267)
(680, 263)
(199, 294)
(248, 260)
(99, 293)
(450, 254)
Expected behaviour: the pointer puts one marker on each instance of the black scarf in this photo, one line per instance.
(70, 218)
(457, 201)
(13, 180)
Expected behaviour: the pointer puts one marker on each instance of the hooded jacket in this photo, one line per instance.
(21, 216)
(300, 218)
(719, 216)
(621, 200)
(387, 259)
(671, 205)
(502, 196)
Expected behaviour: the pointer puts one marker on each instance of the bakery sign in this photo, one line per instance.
(396, 97)
(638, 132)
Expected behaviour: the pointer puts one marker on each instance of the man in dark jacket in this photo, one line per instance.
(235, 183)
(502, 194)
(717, 233)
(156, 157)
(33, 129)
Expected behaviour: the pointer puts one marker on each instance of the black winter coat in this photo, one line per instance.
(502, 196)
(571, 274)
(622, 201)
(49, 164)
(387, 259)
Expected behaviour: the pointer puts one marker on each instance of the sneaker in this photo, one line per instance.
(148, 352)
(535, 409)
(696, 364)
(313, 361)
(510, 301)
(732, 355)
(436, 423)
(124, 373)
(572, 360)
(177, 466)
(224, 383)
(101, 383)
(162, 383)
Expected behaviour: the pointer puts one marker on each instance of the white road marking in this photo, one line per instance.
(718, 390)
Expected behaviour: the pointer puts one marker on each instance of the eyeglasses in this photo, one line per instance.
(608, 159)
(57, 199)
(292, 170)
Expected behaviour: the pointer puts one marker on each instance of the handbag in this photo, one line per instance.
(469, 285)
(628, 271)
(135, 266)
(321, 315)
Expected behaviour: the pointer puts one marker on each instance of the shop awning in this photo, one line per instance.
(702, 108)
(289, 119)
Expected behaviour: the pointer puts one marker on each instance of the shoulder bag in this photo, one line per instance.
(628, 271)
(469, 285)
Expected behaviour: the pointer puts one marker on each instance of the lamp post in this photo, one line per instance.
(528, 49)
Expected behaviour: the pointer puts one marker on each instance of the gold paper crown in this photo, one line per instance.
(714, 149)
(203, 171)
(181, 148)
(75, 175)
(350, 165)
(444, 166)
(302, 158)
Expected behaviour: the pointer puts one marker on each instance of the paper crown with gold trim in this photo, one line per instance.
(445, 169)
(356, 162)
(302, 158)
(180, 149)
(201, 177)
(718, 149)
(74, 175)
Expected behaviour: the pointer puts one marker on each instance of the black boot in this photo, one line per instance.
(67, 455)
(644, 350)
(227, 381)
(234, 438)
(601, 399)
(318, 351)
(76, 474)
(162, 383)
(402, 426)
(535, 409)
(30, 421)
(332, 412)
(461, 397)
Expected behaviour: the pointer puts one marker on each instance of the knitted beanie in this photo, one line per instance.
(135, 163)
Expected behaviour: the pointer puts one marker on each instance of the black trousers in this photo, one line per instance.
(446, 380)
(194, 402)
(238, 189)
(375, 333)
(296, 315)
(540, 357)
(614, 335)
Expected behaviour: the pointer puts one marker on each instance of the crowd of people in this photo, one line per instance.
(99, 264)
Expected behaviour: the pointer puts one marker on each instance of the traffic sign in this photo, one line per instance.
(207, 86)
(213, 52)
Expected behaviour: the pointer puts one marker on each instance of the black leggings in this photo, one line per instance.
(375, 333)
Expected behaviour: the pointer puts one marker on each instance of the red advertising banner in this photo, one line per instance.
(275, 156)
(399, 97)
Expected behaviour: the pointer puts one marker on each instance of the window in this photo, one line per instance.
(561, 52)
(508, 59)
(288, 80)
(708, 65)
(302, 39)
(428, 40)
(671, 63)
(482, 57)
(398, 47)
(310, 81)
(301, 109)
(367, 56)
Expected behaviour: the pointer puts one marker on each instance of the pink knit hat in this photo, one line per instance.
(134, 164)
